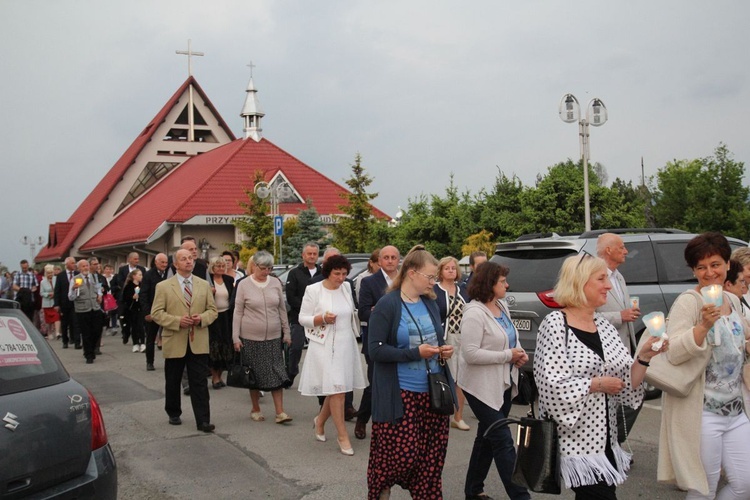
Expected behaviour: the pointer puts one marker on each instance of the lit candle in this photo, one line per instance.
(712, 294)
(655, 323)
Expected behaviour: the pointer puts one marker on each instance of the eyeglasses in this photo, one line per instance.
(584, 254)
(430, 277)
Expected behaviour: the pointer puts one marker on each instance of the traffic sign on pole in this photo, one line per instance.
(278, 225)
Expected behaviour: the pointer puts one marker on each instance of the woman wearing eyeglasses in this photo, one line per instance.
(707, 431)
(736, 284)
(488, 363)
(583, 372)
(260, 320)
(409, 442)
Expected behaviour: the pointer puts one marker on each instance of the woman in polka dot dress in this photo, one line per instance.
(583, 373)
(409, 442)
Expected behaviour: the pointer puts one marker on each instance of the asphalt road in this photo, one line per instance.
(263, 460)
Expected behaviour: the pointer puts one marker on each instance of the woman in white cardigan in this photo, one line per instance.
(488, 364)
(332, 364)
(708, 430)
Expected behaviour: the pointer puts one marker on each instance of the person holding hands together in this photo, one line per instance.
(584, 372)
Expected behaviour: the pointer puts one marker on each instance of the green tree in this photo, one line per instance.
(499, 209)
(481, 241)
(705, 194)
(351, 233)
(309, 228)
(256, 225)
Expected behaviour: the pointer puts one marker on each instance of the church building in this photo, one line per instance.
(184, 174)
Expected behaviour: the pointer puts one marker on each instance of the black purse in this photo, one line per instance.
(537, 466)
(240, 375)
(526, 390)
(441, 396)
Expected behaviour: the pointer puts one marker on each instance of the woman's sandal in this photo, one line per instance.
(257, 416)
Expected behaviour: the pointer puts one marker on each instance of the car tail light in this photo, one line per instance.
(98, 432)
(548, 300)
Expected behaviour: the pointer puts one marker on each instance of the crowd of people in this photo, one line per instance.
(418, 317)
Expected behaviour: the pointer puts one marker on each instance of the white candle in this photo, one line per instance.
(655, 323)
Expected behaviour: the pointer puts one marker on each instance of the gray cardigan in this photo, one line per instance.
(485, 361)
(385, 356)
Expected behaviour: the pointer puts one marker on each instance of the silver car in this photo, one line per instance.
(53, 440)
(655, 271)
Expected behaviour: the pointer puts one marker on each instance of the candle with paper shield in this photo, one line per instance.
(712, 294)
(657, 327)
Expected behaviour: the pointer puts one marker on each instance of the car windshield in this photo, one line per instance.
(26, 361)
(533, 270)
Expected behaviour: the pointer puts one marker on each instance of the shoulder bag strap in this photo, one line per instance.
(421, 339)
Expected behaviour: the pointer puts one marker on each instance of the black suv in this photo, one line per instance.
(654, 270)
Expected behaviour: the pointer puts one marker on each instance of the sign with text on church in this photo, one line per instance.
(228, 220)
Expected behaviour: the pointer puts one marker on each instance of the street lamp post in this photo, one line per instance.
(32, 243)
(596, 115)
(282, 191)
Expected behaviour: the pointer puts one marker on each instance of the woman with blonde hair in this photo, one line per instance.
(451, 297)
(584, 372)
(47, 292)
(409, 442)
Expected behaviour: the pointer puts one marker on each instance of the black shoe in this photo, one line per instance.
(150, 367)
(78, 346)
(217, 385)
(65, 345)
(350, 413)
(175, 421)
(89, 361)
(206, 427)
(186, 391)
(98, 352)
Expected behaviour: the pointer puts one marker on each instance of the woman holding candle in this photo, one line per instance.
(692, 456)
(583, 372)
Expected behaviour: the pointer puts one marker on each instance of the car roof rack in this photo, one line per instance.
(536, 236)
(625, 230)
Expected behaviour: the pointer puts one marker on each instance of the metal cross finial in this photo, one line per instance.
(251, 66)
(189, 53)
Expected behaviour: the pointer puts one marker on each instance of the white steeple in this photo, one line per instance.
(251, 111)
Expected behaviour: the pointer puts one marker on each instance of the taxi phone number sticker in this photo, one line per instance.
(16, 345)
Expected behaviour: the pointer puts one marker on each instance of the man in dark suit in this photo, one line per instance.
(132, 265)
(371, 290)
(475, 260)
(64, 306)
(184, 307)
(153, 277)
(296, 283)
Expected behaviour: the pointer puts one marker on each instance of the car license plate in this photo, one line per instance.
(522, 324)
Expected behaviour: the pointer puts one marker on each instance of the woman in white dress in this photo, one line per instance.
(332, 364)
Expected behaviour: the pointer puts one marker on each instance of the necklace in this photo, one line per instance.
(413, 301)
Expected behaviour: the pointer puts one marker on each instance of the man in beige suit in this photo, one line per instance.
(184, 307)
(620, 312)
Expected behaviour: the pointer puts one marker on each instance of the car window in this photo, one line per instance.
(640, 264)
(533, 270)
(26, 361)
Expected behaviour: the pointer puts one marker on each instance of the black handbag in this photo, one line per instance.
(240, 375)
(526, 390)
(537, 466)
(441, 395)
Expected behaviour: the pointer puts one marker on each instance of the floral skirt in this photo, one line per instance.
(266, 358)
(409, 452)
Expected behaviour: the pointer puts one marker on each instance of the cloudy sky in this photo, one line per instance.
(421, 89)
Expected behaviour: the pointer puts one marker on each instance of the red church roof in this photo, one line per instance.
(60, 240)
(212, 184)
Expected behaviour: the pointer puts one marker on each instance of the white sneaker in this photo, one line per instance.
(143, 347)
(135, 348)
